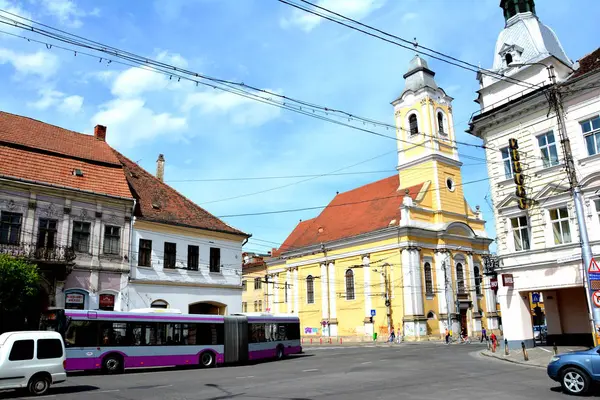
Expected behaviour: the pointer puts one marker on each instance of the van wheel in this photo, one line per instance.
(38, 385)
(279, 354)
(207, 359)
(574, 381)
(112, 364)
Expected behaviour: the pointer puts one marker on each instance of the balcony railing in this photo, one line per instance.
(56, 254)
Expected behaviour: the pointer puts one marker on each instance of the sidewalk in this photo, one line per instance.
(538, 356)
(336, 342)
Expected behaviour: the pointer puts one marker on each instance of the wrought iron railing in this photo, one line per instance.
(56, 254)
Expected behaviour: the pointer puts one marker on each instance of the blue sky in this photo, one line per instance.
(204, 133)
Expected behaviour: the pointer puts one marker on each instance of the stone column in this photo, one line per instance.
(289, 301)
(441, 263)
(296, 291)
(415, 323)
(324, 292)
(333, 324)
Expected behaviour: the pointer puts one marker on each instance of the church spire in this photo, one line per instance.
(514, 7)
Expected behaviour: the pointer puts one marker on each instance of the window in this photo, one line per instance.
(46, 233)
(81, 236)
(547, 146)
(257, 283)
(215, 259)
(260, 306)
(170, 254)
(508, 172)
(310, 289)
(450, 184)
(597, 204)
(591, 133)
(255, 305)
(520, 230)
(193, 257)
(21, 350)
(508, 58)
(477, 277)
(82, 334)
(413, 124)
(286, 292)
(112, 238)
(428, 279)
(244, 307)
(460, 278)
(159, 304)
(430, 315)
(244, 285)
(440, 118)
(145, 253)
(349, 284)
(560, 225)
(49, 348)
(10, 227)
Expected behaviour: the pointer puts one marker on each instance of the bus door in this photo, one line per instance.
(236, 339)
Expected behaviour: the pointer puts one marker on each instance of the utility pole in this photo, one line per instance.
(388, 301)
(447, 302)
(556, 102)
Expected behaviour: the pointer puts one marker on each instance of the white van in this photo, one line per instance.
(32, 360)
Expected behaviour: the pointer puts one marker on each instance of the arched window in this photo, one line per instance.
(349, 285)
(430, 315)
(286, 292)
(310, 289)
(460, 278)
(477, 280)
(428, 279)
(413, 124)
(508, 58)
(440, 118)
(159, 304)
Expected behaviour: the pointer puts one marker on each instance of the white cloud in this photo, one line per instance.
(243, 111)
(129, 122)
(40, 63)
(409, 17)
(53, 98)
(67, 12)
(355, 9)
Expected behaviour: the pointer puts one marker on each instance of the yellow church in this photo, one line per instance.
(405, 252)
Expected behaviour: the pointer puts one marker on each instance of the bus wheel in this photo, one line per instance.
(112, 364)
(279, 354)
(207, 359)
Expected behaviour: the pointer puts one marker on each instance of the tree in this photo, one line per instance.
(19, 283)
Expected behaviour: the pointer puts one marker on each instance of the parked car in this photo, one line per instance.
(576, 370)
(33, 360)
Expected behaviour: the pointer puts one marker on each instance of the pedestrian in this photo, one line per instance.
(392, 336)
(483, 334)
(494, 340)
(399, 337)
(447, 334)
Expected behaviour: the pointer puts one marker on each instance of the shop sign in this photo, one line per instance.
(507, 280)
(494, 284)
(107, 301)
(74, 298)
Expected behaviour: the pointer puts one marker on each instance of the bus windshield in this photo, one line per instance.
(53, 320)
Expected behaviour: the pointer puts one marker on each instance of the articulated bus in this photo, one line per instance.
(112, 341)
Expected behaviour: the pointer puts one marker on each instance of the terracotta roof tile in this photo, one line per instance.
(588, 63)
(352, 213)
(36, 134)
(58, 170)
(158, 202)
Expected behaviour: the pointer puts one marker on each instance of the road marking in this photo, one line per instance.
(244, 377)
(39, 397)
(545, 350)
(310, 370)
(108, 391)
(383, 359)
(162, 386)
(366, 362)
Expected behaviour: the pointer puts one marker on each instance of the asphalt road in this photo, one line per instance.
(405, 371)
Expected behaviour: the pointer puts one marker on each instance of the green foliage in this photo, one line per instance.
(18, 283)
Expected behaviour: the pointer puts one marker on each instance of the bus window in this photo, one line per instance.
(82, 334)
(134, 334)
(282, 332)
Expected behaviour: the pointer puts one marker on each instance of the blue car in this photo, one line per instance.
(576, 371)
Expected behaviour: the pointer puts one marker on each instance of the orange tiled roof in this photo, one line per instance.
(34, 151)
(588, 63)
(352, 213)
(158, 202)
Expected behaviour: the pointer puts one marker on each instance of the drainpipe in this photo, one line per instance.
(130, 250)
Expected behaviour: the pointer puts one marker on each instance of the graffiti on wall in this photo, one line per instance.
(311, 331)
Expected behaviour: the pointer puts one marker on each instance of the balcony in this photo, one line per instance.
(48, 255)
(463, 296)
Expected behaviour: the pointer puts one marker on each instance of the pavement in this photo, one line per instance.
(420, 371)
(538, 356)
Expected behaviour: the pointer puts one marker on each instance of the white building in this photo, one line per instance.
(540, 246)
(65, 205)
(183, 257)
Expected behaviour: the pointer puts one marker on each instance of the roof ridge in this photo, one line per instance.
(364, 186)
(47, 123)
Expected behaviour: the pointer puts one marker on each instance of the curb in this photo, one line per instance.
(524, 363)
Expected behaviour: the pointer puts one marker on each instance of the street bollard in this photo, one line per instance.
(321, 341)
(555, 349)
(329, 340)
(506, 347)
(493, 346)
(487, 341)
(310, 340)
(340, 340)
(525, 355)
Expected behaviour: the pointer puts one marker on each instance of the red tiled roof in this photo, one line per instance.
(352, 213)
(588, 63)
(39, 152)
(158, 202)
(36, 134)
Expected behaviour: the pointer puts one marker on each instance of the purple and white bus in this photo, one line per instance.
(112, 341)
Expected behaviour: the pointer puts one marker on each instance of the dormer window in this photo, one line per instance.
(508, 58)
(510, 53)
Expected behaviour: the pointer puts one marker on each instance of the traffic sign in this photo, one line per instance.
(373, 313)
(535, 297)
(596, 298)
(594, 267)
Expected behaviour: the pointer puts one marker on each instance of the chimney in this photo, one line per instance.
(160, 167)
(100, 132)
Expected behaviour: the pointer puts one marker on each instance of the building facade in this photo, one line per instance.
(405, 252)
(254, 295)
(539, 247)
(183, 257)
(65, 205)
